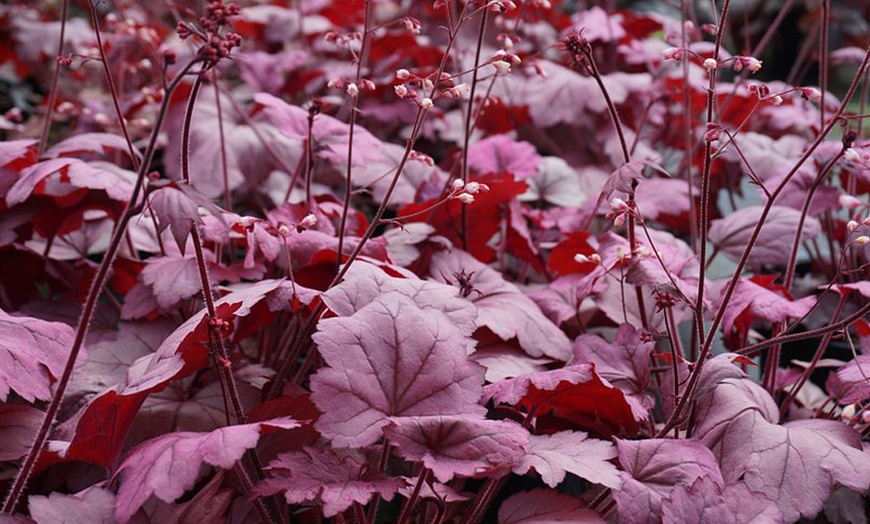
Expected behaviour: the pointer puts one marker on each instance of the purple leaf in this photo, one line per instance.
(625, 363)
(795, 465)
(556, 183)
(545, 506)
(653, 468)
(183, 352)
(330, 135)
(172, 278)
(552, 456)
(457, 445)
(248, 160)
(92, 143)
(560, 300)
(18, 425)
(502, 307)
(854, 380)
(334, 478)
(703, 502)
(731, 234)
(623, 179)
(155, 467)
(503, 360)
(61, 176)
(175, 209)
(32, 353)
(363, 283)
(502, 154)
(388, 359)
(762, 303)
(93, 505)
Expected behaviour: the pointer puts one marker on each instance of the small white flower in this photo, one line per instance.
(581, 258)
(862, 240)
(501, 66)
(458, 184)
(401, 91)
(426, 103)
(352, 89)
(427, 84)
(852, 226)
(711, 64)
(852, 156)
(403, 74)
(472, 187)
(776, 100)
(465, 198)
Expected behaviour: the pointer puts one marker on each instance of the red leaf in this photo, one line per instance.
(574, 393)
(484, 214)
(562, 256)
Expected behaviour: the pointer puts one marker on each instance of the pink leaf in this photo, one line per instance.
(334, 478)
(155, 467)
(172, 278)
(557, 183)
(653, 468)
(623, 179)
(93, 505)
(365, 282)
(544, 506)
(703, 502)
(183, 352)
(762, 303)
(795, 465)
(502, 154)
(176, 207)
(18, 425)
(552, 456)
(32, 353)
(625, 363)
(61, 176)
(457, 445)
(330, 135)
(89, 143)
(731, 234)
(501, 306)
(390, 358)
(854, 380)
(248, 160)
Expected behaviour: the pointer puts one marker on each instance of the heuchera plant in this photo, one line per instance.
(423, 262)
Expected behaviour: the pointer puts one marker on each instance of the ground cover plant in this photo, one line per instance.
(447, 261)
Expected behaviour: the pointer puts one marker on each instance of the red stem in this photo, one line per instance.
(52, 94)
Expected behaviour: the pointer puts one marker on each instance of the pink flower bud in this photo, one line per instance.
(848, 202)
(852, 156)
(403, 74)
(811, 93)
(401, 91)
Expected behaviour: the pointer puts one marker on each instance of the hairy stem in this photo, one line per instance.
(90, 305)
